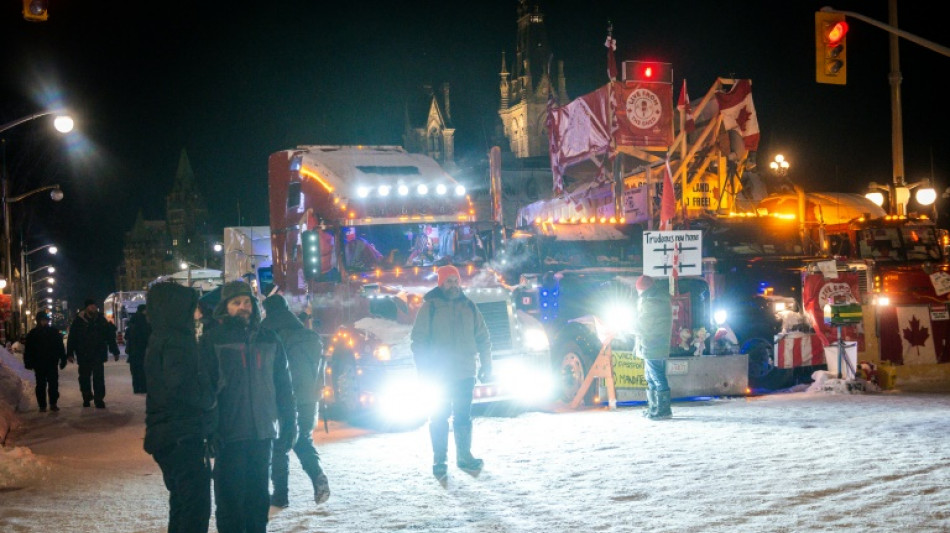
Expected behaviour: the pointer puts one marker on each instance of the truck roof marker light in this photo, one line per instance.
(623, 220)
(603, 220)
(422, 189)
(362, 191)
(537, 220)
(310, 173)
(403, 189)
(613, 220)
(383, 190)
(440, 189)
(459, 190)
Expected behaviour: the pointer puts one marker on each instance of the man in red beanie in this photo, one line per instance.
(448, 333)
(653, 328)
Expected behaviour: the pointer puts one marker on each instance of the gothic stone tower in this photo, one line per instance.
(525, 90)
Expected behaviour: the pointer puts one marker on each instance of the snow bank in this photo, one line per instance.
(16, 394)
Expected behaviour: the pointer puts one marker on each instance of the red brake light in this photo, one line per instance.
(648, 72)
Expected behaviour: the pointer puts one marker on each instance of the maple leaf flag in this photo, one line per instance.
(738, 113)
(685, 108)
(668, 200)
(611, 45)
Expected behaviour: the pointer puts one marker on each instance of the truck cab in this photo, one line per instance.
(357, 234)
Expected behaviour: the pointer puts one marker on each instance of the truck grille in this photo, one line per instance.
(496, 318)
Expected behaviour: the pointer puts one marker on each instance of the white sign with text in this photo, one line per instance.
(664, 250)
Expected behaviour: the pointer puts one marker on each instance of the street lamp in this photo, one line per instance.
(23, 269)
(63, 123)
(779, 167)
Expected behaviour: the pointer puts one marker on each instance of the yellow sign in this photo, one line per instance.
(628, 371)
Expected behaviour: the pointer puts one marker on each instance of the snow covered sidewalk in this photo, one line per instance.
(787, 462)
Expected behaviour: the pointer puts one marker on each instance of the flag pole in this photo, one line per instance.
(683, 152)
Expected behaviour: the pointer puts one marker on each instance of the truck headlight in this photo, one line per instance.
(382, 353)
(536, 339)
(619, 318)
(720, 316)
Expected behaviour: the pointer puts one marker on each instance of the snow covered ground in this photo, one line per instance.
(796, 462)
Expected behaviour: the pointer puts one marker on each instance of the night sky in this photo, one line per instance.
(231, 84)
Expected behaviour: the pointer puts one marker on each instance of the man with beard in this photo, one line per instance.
(448, 333)
(255, 397)
(44, 349)
(91, 339)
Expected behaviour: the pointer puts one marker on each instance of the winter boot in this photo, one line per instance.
(650, 411)
(53, 407)
(663, 410)
(439, 434)
(321, 489)
(463, 450)
(279, 500)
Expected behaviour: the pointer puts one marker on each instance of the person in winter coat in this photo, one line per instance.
(179, 406)
(653, 328)
(448, 334)
(305, 358)
(136, 341)
(44, 349)
(255, 398)
(91, 339)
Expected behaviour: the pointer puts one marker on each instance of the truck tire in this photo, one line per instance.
(346, 390)
(571, 367)
(762, 373)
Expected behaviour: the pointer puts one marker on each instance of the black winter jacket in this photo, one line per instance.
(180, 403)
(255, 394)
(136, 337)
(91, 338)
(44, 348)
(304, 354)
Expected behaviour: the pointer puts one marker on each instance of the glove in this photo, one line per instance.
(287, 438)
(484, 374)
(62, 364)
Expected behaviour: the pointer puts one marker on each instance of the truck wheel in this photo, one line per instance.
(760, 360)
(571, 366)
(346, 393)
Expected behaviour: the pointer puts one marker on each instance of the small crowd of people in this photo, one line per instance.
(225, 407)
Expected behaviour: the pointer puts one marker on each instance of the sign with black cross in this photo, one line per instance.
(665, 250)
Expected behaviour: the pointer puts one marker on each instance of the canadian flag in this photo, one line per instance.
(738, 112)
(684, 108)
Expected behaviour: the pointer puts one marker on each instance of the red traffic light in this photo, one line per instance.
(836, 32)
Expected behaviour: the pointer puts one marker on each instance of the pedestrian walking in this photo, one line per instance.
(448, 334)
(305, 359)
(91, 339)
(136, 341)
(255, 398)
(43, 351)
(179, 406)
(653, 328)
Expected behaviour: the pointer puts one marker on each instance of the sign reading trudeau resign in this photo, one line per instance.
(665, 250)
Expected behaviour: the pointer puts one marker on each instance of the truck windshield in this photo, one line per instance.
(752, 237)
(907, 243)
(579, 247)
(407, 245)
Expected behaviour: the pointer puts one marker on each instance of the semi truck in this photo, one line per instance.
(357, 233)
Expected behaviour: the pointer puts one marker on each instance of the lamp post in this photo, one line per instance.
(63, 124)
(779, 167)
(23, 269)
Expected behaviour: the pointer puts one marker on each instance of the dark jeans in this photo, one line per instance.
(241, 494)
(92, 380)
(655, 373)
(456, 402)
(47, 382)
(304, 449)
(137, 368)
(187, 474)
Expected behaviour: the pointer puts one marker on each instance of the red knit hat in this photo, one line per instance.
(644, 283)
(446, 271)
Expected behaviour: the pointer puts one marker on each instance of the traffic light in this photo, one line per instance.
(831, 54)
(310, 241)
(35, 10)
(651, 71)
